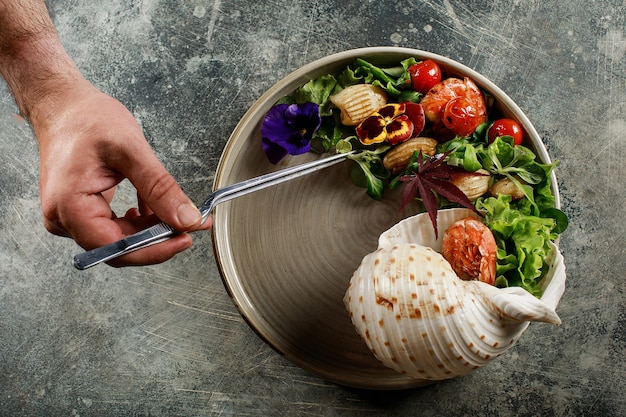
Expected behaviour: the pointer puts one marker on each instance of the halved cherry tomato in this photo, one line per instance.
(506, 127)
(424, 75)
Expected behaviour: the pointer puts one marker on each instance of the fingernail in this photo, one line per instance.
(188, 215)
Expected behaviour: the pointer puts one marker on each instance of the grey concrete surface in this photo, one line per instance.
(166, 340)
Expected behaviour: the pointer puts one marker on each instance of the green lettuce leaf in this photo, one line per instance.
(371, 173)
(318, 91)
(523, 242)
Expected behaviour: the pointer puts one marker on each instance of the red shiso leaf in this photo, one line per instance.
(430, 203)
(431, 179)
(410, 190)
(450, 191)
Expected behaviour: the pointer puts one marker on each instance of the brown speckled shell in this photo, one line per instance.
(419, 318)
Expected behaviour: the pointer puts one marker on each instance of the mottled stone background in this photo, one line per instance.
(167, 341)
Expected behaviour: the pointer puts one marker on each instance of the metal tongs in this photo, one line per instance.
(162, 231)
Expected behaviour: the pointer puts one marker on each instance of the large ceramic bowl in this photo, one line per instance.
(286, 254)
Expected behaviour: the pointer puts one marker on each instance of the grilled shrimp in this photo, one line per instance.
(458, 104)
(470, 248)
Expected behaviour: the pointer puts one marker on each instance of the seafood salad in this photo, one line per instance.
(443, 139)
(434, 305)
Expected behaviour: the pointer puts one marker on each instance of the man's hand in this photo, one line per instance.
(88, 143)
(87, 147)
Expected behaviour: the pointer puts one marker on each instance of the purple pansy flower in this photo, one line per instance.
(288, 129)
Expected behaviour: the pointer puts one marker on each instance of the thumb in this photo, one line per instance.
(161, 193)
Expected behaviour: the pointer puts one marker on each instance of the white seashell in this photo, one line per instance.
(358, 101)
(419, 318)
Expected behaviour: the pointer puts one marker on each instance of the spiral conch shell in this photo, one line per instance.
(419, 318)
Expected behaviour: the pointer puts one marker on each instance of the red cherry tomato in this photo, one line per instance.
(506, 127)
(424, 75)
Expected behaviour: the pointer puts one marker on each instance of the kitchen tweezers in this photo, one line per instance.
(162, 231)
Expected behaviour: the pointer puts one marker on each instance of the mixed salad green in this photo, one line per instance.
(523, 226)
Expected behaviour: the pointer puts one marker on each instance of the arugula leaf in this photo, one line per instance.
(375, 185)
(371, 166)
(410, 95)
(328, 134)
(462, 153)
(391, 79)
(376, 72)
(480, 134)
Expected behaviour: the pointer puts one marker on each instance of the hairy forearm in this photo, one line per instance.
(33, 62)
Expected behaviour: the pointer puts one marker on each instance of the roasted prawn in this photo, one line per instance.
(470, 248)
(456, 103)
